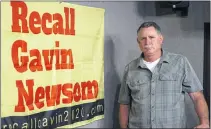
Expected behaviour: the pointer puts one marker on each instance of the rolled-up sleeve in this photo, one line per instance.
(124, 93)
(191, 82)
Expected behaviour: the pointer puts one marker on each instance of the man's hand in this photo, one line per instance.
(204, 126)
(201, 109)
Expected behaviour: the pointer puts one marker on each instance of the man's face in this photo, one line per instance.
(150, 41)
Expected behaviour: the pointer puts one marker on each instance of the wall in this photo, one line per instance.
(181, 35)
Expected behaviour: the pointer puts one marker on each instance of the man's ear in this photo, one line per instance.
(161, 39)
(137, 40)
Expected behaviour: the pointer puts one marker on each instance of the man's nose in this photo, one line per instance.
(147, 41)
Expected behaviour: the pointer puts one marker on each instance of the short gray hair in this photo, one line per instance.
(150, 24)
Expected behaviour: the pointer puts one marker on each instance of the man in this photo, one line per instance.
(153, 88)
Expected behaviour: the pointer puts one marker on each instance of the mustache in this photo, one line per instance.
(148, 46)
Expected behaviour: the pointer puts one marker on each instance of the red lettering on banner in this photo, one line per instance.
(67, 93)
(88, 85)
(77, 92)
(20, 67)
(51, 95)
(33, 59)
(46, 17)
(29, 96)
(16, 5)
(22, 95)
(63, 26)
(40, 94)
(33, 20)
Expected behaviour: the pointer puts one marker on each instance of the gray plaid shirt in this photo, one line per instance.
(157, 99)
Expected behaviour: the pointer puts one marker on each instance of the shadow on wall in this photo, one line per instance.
(111, 82)
(140, 8)
(193, 22)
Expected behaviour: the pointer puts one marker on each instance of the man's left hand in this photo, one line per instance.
(205, 126)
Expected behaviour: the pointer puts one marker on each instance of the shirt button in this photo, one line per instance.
(152, 106)
(153, 94)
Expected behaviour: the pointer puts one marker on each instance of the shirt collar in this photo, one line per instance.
(164, 59)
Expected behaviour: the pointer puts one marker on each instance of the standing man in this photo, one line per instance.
(152, 93)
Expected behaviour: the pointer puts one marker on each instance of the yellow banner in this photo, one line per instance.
(52, 64)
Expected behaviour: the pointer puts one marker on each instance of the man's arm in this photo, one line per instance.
(201, 109)
(123, 115)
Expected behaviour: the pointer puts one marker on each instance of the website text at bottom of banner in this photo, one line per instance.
(56, 118)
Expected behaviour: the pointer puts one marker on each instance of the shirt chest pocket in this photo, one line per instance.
(140, 89)
(170, 83)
